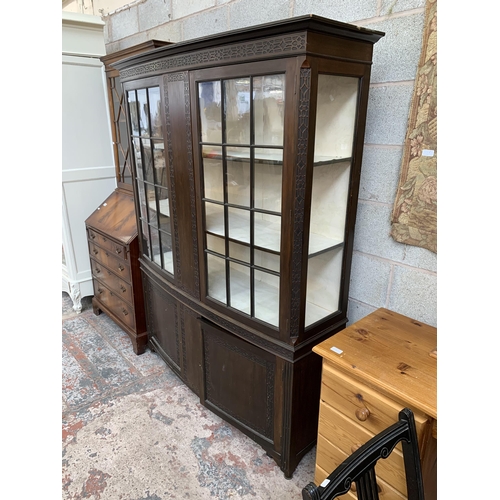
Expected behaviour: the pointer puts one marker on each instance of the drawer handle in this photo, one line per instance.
(362, 414)
(99, 291)
(95, 251)
(124, 311)
(118, 250)
(120, 267)
(123, 289)
(92, 236)
(97, 270)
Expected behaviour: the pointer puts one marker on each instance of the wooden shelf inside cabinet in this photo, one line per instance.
(114, 252)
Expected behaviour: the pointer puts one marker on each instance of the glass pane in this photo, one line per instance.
(210, 111)
(154, 107)
(147, 161)
(268, 111)
(214, 218)
(267, 231)
(143, 112)
(267, 260)
(160, 171)
(216, 244)
(335, 122)
(164, 205)
(142, 200)
(145, 238)
(267, 179)
(239, 276)
(138, 157)
(213, 181)
(166, 246)
(239, 252)
(239, 224)
(335, 117)
(237, 110)
(238, 176)
(216, 269)
(267, 297)
(155, 245)
(151, 201)
(134, 118)
(329, 199)
(323, 285)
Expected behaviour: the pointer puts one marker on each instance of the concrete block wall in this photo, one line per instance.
(385, 273)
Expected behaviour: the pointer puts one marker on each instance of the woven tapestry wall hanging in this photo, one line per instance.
(414, 216)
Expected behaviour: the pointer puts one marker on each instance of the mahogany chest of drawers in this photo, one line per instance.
(371, 370)
(114, 252)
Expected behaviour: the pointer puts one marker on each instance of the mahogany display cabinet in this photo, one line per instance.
(247, 155)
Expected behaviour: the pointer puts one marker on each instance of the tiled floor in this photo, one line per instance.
(133, 431)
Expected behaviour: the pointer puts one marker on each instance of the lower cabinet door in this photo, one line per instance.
(238, 382)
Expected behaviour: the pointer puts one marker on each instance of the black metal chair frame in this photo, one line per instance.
(360, 466)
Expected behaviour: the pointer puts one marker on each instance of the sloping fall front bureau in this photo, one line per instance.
(371, 370)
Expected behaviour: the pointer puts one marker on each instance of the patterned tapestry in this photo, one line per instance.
(414, 216)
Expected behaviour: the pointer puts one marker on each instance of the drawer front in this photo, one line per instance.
(361, 404)
(348, 436)
(120, 267)
(109, 244)
(116, 284)
(114, 303)
(328, 453)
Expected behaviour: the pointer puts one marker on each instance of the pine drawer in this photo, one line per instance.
(369, 409)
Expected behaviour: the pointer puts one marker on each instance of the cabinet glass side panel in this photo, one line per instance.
(122, 148)
(335, 122)
(155, 226)
(241, 145)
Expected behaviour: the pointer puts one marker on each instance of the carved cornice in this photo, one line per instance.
(255, 49)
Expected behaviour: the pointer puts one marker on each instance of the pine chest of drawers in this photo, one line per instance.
(114, 252)
(372, 370)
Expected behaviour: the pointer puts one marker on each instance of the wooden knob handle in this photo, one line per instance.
(362, 414)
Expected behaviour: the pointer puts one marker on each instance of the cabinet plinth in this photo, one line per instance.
(371, 370)
(246, 150)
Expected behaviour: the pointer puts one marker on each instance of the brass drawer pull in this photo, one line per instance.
(362, 414)
(95, 252)
(99, 291)
(118, 250)
(123, 289)
(125, 312)
(120, 267)
(97, 270)
(92, 236)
